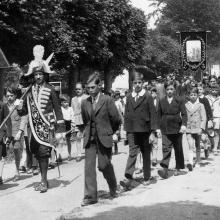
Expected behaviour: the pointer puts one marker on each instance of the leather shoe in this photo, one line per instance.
(151, 180)
(163, 173)
(16, 178)
(78, 159)
(43, 187)
(87, 202)
(190, 167)
(39, 187)
(52, 165)
(177, 172)
(126, 184)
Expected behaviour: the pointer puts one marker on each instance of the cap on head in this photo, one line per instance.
(64, 97)
(136, 75)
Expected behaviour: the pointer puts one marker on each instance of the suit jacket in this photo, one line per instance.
(171, 116)
(7, 128)
(76, 105)
(196, 117)
(140, 115)
(18, 122)
(107, 120)
(48, 103)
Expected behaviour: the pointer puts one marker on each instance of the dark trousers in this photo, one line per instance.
(31, 160)
(138, 142)
(169, 142)
(104, 165)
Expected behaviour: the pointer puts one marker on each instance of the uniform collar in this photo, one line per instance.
(141, 93)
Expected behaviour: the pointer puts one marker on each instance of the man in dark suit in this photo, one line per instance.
(172, 119)
(101, 120)
(5, 133)
(140, 120)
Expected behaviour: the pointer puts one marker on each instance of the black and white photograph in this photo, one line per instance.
(110, 110)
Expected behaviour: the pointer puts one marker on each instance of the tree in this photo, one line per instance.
(186, 15)
(190, 15)
(161, 53)
(104, 35)
(113, 34)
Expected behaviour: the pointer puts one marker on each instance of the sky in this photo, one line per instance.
(122, 80)
(145, 6)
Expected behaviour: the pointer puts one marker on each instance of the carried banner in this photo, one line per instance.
(193, 50)
(40, 126)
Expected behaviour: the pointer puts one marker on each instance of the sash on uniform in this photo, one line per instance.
(40, 126)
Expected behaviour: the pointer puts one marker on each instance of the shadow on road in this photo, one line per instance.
(8, 185)
(162, 211)
(203, 164)
(22, 177)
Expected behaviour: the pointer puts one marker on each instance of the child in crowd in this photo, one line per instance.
(153, 138)
(196, 124)
(206, 139)
(18, 126)
(117, 134)
(68, 117)
(214, 101)
(172, 119)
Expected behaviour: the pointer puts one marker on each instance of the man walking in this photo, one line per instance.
(42, 107)
(139, 120)
(101, 120)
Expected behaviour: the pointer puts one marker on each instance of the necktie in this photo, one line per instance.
(93, 103)
(136, 97)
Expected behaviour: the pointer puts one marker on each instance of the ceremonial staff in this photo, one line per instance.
(13, 109)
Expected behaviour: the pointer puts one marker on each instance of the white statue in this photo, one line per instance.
(38, 52)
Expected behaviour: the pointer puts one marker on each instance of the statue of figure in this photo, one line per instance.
(38, 52)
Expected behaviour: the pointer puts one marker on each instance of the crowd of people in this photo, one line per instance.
(156, 113)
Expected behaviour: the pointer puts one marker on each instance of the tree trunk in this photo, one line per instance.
(73, 78)
(2, 82)
(108, 78)
(130, 71)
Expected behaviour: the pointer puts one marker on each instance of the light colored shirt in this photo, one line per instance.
(68, 114)
(119, 106)
(79, 99)
(192, 105)
(169, 99)
(95, 99)
(135, 94)
(201, 96)
(155, 102)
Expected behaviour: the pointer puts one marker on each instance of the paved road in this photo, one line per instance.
(194, 195)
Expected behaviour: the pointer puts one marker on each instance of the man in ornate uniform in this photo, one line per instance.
(43, 109)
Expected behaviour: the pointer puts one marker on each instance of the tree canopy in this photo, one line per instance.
(186, 15)
(100, 33)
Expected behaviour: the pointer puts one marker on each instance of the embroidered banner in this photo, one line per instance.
(193, 50)
(40, 127)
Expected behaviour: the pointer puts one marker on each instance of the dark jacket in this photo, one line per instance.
(48, 102)
(107, 120)
(7, 128)
(207, 106)
(140, 115)
(171, 116)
